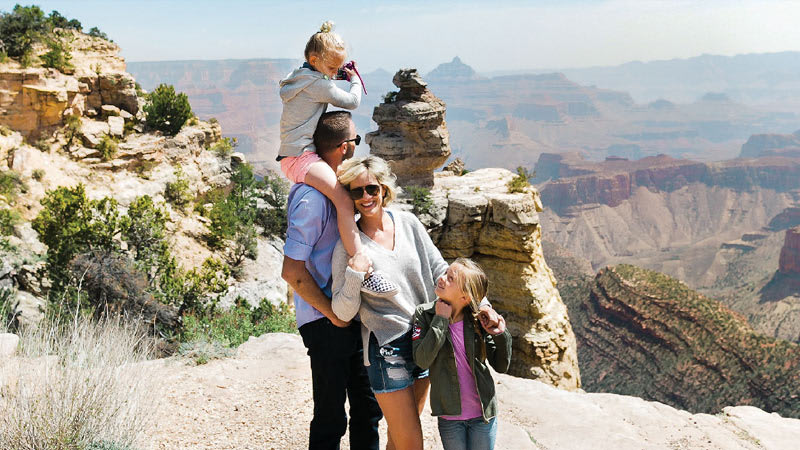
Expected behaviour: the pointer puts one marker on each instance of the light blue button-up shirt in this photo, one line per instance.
(311, 236)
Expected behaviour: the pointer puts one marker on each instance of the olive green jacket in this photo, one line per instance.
(433, 349)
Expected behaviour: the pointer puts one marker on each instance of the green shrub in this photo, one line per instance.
(233, 327)
(421, 202)
(95, 32)
(167, 111)
(11, 184)
(390, 97)
(8, 218)
(232, 218)
(144, 230)
(108, 147)
(177, 192)
(5, 131)
(37, 174)
(72, 129)
(224, 147)
(70, 224)
(21, 29)
(7, 296)
(274, 191)
(58, 55)
(58, 21)
(520, 181)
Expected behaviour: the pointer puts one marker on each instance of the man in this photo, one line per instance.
(335, 349)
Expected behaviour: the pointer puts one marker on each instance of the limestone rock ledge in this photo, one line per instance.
(476, 217)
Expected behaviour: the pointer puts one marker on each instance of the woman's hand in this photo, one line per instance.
(443, 309)
(361, 263)
(491, 322)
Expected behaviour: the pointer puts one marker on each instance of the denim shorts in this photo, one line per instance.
(391, 366)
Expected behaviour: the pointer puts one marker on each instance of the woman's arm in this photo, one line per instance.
(427, 338)
(346, 286)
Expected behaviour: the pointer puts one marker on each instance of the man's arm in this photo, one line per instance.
(298, 277)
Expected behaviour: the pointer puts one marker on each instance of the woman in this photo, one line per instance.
(398, 245)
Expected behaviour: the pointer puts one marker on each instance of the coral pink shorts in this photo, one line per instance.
(296, 167)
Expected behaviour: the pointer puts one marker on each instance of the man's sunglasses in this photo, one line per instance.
(357, 193)
(356, 139)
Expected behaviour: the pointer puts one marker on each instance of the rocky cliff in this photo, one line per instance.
(642, 333)
(36, 100)
(475, 216)
(575, 182)
(412, 134)
(87, 126)
(789, 262)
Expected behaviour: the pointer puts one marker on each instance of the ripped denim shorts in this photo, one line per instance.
(391, 366)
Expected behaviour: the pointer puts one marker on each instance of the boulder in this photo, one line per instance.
(412, 134)
(116, 126)
(8, 344)
(28, 310)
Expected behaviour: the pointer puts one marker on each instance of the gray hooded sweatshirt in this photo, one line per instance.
(305, 94)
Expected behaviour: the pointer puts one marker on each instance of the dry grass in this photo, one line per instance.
(81, 385)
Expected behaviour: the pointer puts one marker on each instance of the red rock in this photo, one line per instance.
(789, 262)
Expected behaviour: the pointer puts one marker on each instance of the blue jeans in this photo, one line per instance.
(391, 366)
(472, 434)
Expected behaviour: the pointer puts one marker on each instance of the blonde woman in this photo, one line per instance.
(397, 244)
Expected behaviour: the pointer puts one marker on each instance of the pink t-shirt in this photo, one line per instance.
(470, 402)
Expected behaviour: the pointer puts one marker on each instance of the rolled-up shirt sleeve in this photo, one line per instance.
(305, 226)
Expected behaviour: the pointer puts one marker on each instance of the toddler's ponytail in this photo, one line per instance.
(324, 41)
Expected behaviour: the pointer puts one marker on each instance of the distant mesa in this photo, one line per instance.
(455, 70)
(661, 105)
(715, 97)
(772, 145)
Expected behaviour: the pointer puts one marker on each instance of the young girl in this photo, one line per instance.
(449, 339)
(306, 93)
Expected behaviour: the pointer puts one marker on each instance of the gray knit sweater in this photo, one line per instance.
(414, 265)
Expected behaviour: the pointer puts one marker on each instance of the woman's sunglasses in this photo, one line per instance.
(357, 193)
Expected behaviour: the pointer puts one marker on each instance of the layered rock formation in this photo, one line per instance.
(789, 262)
(475, 216)
(35, 100)
(576, 182)
(642, 333)
(412, 133)
(102, 101)
(772, 145)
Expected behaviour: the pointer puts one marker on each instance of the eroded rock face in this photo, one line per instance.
(476, 217)
(412, 134)
(789, 262)
(35, 100)
(645, 334)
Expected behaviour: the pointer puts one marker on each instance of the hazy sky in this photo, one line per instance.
(488, 35)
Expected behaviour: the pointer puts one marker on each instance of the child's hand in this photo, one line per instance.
(352, 75)
(360, 262)
(443, 309)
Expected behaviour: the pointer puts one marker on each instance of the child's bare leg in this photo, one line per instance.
(321, 177)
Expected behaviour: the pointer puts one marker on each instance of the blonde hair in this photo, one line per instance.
(324, 41)
(379, 168)
(474, 284)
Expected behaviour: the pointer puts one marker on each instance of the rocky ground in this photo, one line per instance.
(261, 399)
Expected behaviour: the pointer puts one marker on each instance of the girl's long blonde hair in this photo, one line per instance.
(474, 284)
(325, 41)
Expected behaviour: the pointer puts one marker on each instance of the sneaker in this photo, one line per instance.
(379, 285)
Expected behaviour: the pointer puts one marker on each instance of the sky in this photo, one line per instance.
(488, 35)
